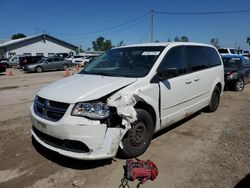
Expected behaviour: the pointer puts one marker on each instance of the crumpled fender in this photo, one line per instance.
(125, 106)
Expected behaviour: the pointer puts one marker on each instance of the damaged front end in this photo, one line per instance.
(100, 126)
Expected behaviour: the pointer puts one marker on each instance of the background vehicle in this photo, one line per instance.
(27, 60)
(224, 51)
(246, 53)
(13, 61)
(2, 67)
(237, 71)
(63, 55)
(50, 63)
(81, 59)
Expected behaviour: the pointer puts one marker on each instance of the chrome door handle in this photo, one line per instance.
(188, 81)
(196, 79)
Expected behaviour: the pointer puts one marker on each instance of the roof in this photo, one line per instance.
(232, 56)
(15, 41)
(166, 44)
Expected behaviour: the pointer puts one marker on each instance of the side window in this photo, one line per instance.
(197, 58)
(50, 60)
(175, 59)
(57, 59)
(213, 56)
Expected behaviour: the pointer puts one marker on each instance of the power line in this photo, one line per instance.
(103, 30)
(203, 13)
(110, 32)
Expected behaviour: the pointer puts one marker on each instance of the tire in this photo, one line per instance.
(137, 139)
(214, 101)
(39, 69)
(239, 85)
(65, 66)
(7, 66)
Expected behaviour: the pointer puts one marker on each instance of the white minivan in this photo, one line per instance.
(125, 95)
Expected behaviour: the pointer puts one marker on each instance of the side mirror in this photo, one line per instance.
(167, 73)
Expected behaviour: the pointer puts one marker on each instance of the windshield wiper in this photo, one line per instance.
(98, 73)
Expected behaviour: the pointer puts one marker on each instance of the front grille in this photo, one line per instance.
(69, 145)
(50, 110)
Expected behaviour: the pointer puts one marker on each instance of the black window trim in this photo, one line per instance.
(188, 65)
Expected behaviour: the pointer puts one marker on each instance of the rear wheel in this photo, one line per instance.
(239, 85)
(215, 100)
(65, 66)
(137, 139)
(39, 69)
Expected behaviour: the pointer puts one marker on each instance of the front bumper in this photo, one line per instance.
(101, 141)
(28, 69)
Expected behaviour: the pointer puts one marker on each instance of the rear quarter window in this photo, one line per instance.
(213, 56)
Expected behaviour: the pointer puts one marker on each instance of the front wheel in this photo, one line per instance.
(215, 100)
(39, 69)
(239, 85)
(137, 139)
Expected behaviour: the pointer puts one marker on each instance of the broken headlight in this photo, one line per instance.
(95, 110)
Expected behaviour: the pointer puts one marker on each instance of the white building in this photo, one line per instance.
(36, 45)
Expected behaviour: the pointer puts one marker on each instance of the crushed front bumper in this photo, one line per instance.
(102, 142)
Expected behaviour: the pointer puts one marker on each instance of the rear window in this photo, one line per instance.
(223, 51)
(232, 62)
(232, 51)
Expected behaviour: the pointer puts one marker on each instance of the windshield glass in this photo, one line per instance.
(232, 51)
(232, 62)
(40, 61)
(125, 62)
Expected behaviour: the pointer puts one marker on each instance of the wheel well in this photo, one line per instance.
(39, 67)
(148, 108)
(219, 85)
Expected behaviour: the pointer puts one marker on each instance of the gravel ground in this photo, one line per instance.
(205, 150)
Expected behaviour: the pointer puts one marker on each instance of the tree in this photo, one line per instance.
(121, 43)
(248, 40)
(101, 44)
(176, 39)
(215, 42)
(18, 36)
(182, 39)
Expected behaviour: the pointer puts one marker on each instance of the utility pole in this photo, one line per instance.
(152, 25)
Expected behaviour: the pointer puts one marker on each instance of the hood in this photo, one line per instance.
(229, 70)
(82, 87)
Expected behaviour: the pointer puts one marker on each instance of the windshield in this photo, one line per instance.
(125, 62)
(40, 61)
(232, 62)
(232, 51)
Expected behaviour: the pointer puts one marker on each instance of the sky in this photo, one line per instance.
(82, 21)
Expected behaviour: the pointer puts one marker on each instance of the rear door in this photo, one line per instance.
(200, 74)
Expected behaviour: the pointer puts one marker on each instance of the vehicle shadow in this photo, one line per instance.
(66, 161)
(177, 124)
(244, 183)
